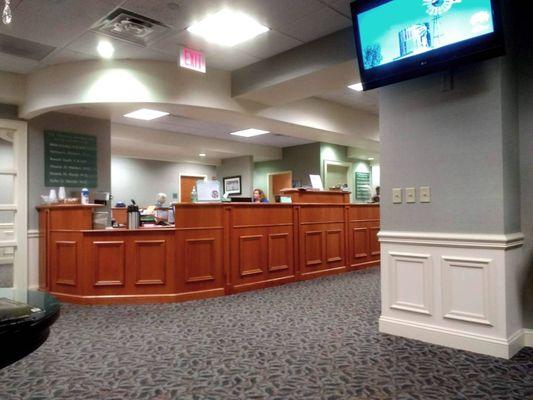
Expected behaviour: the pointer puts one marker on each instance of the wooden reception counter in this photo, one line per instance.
(213, 249)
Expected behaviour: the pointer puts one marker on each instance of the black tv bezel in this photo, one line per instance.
(464, 52)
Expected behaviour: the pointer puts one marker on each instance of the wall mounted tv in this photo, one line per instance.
(398, 40)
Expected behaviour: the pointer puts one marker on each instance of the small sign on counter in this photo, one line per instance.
(208, 191)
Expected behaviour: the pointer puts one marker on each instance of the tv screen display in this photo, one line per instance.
(401, 39)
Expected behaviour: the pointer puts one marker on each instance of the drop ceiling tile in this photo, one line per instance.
(123, 50)
(170, 44)
(316, 25)
(278, 13)
(342, 6)
(24, 48)
(19, 65)
(56, 22)
(166, 12)
(62, 56)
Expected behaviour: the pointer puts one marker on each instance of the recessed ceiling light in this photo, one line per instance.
(249, 132)
(227, 28)
(105, 49)
(146, 114)
(357, 87)
(202, 155)
(370, 158)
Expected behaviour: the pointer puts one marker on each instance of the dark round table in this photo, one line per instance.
(20, 337)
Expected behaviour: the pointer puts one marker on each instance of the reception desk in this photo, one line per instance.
(317, 196)
(214, 249)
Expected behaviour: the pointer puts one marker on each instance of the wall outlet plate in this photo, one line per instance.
(397, 196)
(410, 195)
(425, 194)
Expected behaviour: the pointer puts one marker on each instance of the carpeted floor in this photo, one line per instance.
(310, 340)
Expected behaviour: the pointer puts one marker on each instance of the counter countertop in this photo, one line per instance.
(70, 206)
(272, 204)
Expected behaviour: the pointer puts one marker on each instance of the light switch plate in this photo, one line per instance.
(410, 195)
(397, 196)
(425, 194)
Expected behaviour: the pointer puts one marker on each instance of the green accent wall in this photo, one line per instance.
(332, 152)
(308, 159)
(302, 160)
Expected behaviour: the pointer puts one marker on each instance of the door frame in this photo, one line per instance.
(327, 163)
(270, 195)
(204, 177)
(19, 206)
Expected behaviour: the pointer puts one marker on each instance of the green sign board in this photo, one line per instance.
(70, 160)
(362, 186)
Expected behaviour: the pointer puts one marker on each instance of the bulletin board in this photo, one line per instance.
(70, 160)
(362, 186)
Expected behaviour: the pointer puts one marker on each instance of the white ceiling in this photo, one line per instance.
(183, 125)
(366, 101)
(65, 24)
(178, 124)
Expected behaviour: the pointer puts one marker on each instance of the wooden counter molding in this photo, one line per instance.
(317, 196)
(214, 249)
(120, 215)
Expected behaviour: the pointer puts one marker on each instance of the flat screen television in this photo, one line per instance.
(398, 40)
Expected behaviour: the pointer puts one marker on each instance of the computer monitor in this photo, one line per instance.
(241, 199)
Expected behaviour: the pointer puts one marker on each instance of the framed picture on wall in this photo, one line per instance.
(232, 185)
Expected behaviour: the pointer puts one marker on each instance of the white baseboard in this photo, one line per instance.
(6, 292)
(488, 345)
(528, 337)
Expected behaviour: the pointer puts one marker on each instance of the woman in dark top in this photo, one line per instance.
(259, 196)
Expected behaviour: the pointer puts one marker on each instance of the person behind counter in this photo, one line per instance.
(259, 196)
(375, 199)
(161, 200)
(163, 214)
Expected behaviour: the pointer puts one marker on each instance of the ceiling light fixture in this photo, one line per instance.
(358, 87)
(145, 114)
(202, 155)
(7, 16)
(370, 158)
(249, 133)
(227, 28)
(105, 49)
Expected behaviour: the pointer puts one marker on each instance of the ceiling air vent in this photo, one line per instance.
(131, 27)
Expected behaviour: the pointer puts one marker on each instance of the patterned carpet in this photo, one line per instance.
(309, 340)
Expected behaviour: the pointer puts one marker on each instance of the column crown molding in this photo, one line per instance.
(477, 240)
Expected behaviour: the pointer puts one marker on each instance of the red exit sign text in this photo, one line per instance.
(192, 59)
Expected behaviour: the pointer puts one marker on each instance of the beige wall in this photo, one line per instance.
(142, 179)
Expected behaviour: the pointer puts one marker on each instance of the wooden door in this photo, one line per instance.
(278, 182)
(186, 185)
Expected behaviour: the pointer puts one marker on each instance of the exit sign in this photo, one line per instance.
(192, 59)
